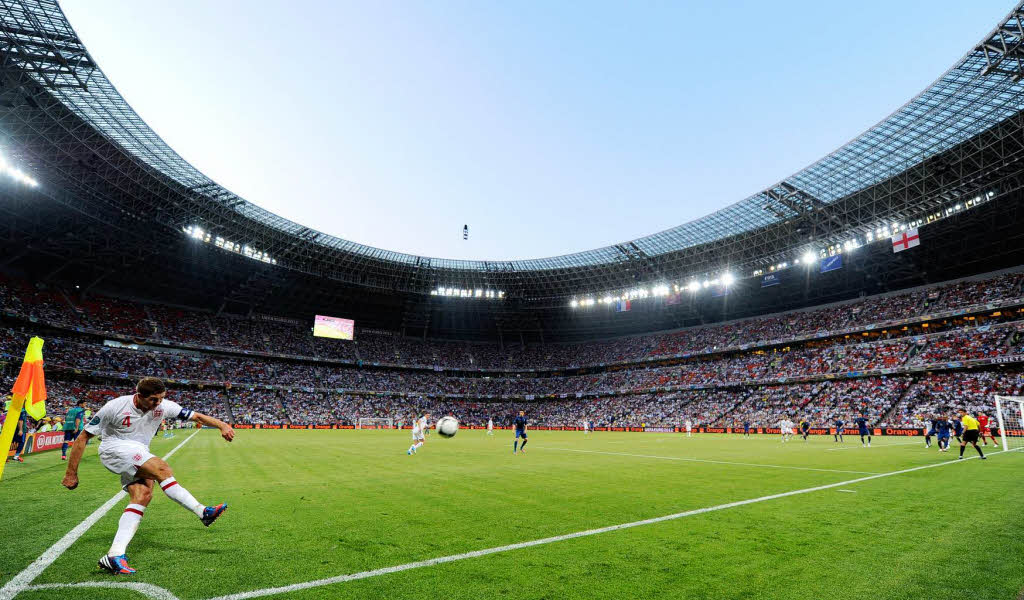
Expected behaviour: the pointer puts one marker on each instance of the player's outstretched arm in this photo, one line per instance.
(226, 431)
(77, 450)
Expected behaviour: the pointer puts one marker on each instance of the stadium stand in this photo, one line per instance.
(714, 383)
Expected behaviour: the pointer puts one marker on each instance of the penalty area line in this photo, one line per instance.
(560, 538)
(22, 580)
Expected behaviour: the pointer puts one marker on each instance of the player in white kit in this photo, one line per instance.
(490, 426)
(419, 433)
(786, 429)
(689, 428)
(126, 426)
(586, 427)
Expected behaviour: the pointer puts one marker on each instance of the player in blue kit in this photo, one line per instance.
(746, 429)
(520, 426)
(840, 423)
(805, 428)
(20, 435)
(942, 429)
(862, 429)
(958, 429)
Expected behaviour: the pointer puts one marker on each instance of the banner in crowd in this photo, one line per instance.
(49, 440)
(832, 263)
(771, 279)
(55, 438)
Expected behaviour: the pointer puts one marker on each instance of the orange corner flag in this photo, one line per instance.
(29, 392)
(31, 384)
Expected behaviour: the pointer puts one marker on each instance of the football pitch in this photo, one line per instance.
(609, 515)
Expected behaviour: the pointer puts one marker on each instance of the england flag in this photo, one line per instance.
(906, 239)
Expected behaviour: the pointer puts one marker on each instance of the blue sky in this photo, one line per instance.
(547, 127)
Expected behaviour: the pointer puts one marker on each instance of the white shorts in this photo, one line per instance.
(124, 457)
(787, 430)
(417, 436)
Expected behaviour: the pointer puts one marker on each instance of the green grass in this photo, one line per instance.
(315, 504)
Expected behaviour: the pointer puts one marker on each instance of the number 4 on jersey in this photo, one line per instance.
(127, 421)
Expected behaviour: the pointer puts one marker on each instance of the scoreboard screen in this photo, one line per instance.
(333, 327)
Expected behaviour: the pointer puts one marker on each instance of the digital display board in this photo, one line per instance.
(333, 327)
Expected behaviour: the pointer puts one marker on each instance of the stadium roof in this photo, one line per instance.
(848, 192)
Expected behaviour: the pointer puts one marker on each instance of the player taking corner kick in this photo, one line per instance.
(126, 426)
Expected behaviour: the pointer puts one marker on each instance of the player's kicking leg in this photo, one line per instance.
(155, 468)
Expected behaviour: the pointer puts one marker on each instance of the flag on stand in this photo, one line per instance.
(905, 240)
(29, 392)
(770, 280)
(622, 305)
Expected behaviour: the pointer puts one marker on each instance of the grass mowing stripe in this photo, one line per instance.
(705, 460)
(877, 445)
(559, 538)
(21, 580)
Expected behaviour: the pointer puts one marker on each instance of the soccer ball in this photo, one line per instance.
(447, 426)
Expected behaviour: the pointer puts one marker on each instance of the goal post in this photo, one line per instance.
(375, 423)
(1010, 416)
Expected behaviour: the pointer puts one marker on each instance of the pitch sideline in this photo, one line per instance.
(22, 580)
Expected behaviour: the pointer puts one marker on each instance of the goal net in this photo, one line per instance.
(375, 423)
(1010, 419)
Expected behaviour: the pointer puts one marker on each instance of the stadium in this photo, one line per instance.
(877, 292)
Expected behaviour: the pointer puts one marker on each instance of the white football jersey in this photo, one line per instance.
(423, 424)
(490, 423)
(120, 419)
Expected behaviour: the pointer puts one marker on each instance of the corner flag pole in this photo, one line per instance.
(29, 392)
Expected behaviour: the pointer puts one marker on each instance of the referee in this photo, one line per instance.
(971, 430)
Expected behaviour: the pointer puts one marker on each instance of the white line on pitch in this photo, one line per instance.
(717, 462)
(146, 589)
(854, 445)
(559, 538)
(23, 579)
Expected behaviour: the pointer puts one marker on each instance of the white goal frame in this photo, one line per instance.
(1003, 401)
(376, 422)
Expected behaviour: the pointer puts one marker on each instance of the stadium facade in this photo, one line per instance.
(116, 208)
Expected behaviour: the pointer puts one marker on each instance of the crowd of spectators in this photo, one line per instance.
(729, 388)
(812, 360)
(963, 345)
(942, 393)
(286, 336)
(893, 401)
